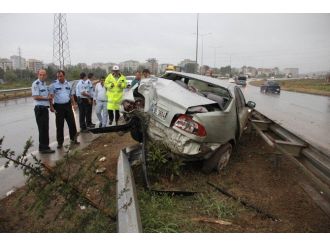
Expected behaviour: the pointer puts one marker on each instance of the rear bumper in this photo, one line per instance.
(180, 144)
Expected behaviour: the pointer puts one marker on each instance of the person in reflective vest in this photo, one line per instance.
(115, 83)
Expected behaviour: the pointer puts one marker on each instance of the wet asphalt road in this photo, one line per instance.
(306, 115)
(18, 124)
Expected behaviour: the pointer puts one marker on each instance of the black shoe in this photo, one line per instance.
(100, 125)
(47, 151)
(84, 131)
(91, 125)
(59, 146)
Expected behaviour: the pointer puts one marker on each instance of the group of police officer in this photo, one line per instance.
(59, 98)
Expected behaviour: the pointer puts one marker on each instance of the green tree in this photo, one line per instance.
(225, 70)
(10, 76)
(2, 73)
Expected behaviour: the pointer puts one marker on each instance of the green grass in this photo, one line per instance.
(169, 214)
(15, 85)
(312, 86)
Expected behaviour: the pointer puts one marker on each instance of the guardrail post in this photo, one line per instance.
(128, 220)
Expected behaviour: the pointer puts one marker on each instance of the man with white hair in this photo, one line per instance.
(115, 83)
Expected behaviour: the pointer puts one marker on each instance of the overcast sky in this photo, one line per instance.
(260, 40)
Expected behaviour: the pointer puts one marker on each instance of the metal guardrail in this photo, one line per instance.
(14, 90)
(7, 92)
(312, 160)
(127, 204)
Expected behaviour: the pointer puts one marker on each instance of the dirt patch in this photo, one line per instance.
(250, 175)
(16, 217)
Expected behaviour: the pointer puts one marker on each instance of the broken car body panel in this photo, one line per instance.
(211, 110)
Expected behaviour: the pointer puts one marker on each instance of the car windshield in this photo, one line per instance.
(242, 78)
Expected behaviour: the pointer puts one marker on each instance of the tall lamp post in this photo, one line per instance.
(203, 35)
(196, 45)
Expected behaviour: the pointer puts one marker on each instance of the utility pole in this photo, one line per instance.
(61, 51)
(197, 44)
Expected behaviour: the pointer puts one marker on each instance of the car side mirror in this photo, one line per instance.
(251, 104)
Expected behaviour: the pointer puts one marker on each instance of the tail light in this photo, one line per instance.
(186, 123)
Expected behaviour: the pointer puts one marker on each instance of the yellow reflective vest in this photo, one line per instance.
(115, 89)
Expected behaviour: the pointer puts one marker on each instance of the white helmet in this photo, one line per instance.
(115, 67)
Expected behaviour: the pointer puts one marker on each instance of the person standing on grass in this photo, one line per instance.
(41, 98)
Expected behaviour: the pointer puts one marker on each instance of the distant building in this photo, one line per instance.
(82, 65)
(97, 65)
(34, 65)
(18, 62)
(249, 71)
(129, 67)
(6, 64)
(291, 72)
(162, 67)
(106, 66)
(152, 65)
(188, 66)
(203, 69)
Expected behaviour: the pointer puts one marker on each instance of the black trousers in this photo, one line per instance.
(110, 113)
(64, 112)
(42, 118)
(83, 112)
(89, 113)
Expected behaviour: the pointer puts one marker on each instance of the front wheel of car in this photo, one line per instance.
(219, 160)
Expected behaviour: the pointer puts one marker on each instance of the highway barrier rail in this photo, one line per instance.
(10, 93)
(311, 160)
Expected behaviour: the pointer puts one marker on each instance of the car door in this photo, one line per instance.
(242, 111)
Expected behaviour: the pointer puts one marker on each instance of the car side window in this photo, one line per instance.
(240, 100)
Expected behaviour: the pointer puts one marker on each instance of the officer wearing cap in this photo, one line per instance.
(41, 98)
(61, 92)
(115, 84)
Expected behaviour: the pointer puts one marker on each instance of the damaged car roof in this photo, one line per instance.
(215, 81)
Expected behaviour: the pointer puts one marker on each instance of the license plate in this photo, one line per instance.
(159, 112)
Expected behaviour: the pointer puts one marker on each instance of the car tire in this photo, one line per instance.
(219, 160)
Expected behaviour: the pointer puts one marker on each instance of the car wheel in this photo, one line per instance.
(135, 130)
(219, 160)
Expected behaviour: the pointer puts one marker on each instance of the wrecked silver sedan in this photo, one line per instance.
(196, 117)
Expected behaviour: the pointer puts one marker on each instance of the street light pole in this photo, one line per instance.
(202, 35)
(197, 43)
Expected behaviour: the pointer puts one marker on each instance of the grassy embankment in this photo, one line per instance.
(311, 86)
(15, 85)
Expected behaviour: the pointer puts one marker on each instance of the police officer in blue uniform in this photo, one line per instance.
(84, 101)
(61, 92)
(90, 124)
(41, 98)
